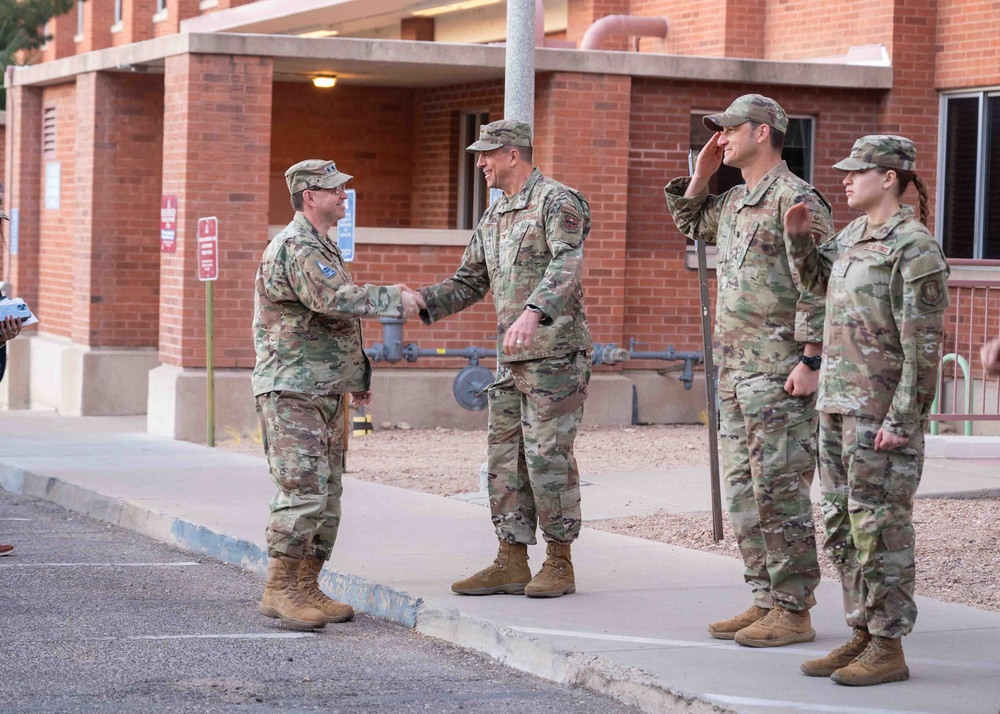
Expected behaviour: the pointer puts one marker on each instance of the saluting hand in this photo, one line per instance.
(798, 219)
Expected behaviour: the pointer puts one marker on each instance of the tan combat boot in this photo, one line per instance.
(508, 574)
(283, 600)
(727, 629)
(777, 628)
(881, 662)
(309, 587)
(556, 576)
(840, 657)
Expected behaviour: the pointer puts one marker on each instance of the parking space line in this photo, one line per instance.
(183, 564)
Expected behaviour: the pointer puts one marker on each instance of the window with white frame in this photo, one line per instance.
(79, 18)
(161, 5)
(968, 216)
(118, 11)
(473, 194)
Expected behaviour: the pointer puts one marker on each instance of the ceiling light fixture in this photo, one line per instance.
(453, 7)
(320, 33)
(324, 81)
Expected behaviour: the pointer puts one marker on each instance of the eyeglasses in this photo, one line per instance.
(335, 191)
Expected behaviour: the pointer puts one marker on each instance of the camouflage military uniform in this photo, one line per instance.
(882, 342)
(529, 250)
(307, 337)
(767, 309)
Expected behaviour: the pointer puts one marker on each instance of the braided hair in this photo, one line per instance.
(905, 179)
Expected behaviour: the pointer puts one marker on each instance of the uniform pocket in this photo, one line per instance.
(510, 246)
(555, 385)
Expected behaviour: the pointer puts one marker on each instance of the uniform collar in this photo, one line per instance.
(903, 214)
(307, 225)
(520, 199)
(753, 197)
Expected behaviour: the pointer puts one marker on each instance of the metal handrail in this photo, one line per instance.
(969, 387)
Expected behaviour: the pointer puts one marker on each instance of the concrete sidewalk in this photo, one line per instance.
(635, 629)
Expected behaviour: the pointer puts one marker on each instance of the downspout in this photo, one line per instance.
(623, 26)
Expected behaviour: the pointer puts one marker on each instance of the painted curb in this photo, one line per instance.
(508, 647)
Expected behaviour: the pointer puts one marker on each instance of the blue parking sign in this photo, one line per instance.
(345, 229)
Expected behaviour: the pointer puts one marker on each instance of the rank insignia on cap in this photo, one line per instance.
(326, 270)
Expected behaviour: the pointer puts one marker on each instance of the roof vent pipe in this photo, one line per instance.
(622, 26)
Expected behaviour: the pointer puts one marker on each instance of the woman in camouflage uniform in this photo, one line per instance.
(881, 346)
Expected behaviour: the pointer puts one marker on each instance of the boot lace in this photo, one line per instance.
(871, 654)
(859, 637)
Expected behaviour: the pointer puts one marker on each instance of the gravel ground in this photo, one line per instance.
(958, 540)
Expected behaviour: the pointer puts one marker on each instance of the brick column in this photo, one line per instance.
(116, 258)
(217, 137)
(582, 139)
(591, 153)
(216, 160)
(98, 16)
(23, 192)
(137, 22)
(177, 10)
(23, 189)
(62, 29)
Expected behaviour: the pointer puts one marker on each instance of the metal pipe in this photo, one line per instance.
(623, 26)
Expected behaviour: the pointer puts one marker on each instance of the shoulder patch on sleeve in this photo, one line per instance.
(326, 269)
(569, 220)
(931, 292)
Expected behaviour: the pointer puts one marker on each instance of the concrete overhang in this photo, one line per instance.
(398, 63)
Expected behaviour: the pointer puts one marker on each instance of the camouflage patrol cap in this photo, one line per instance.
(891, 152)
(314, 173)
(505, 132)
(750, 107)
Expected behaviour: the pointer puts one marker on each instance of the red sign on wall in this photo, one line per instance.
(168, 224)
(208, 248)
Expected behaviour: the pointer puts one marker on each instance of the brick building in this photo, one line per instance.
(210, 101)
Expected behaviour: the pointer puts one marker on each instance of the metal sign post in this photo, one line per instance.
(208, 273)
(713, 412)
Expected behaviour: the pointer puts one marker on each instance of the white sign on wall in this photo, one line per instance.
(53, 172)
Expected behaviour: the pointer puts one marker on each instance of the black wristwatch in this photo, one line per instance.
(812, 363)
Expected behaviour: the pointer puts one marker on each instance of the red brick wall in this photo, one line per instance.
(177, 10)
(661, 295)
(117, 260)
(58, 228)
(62, 29)
(217, 127)
(375, 145)
(98, 16)
(137, 22)
(816, 28)
(695, 26)
(22, 185)
(912, 107)
(582, 130)
(968, 44)
(435, 132)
